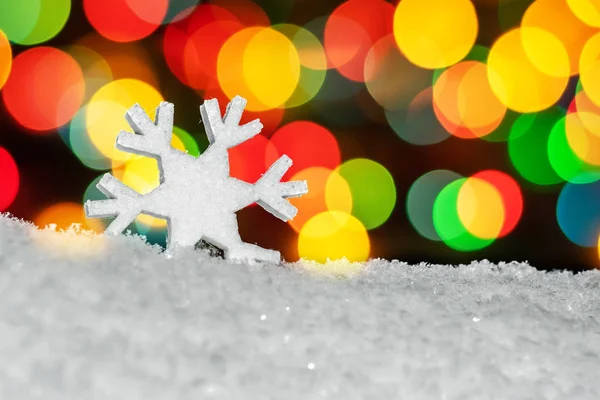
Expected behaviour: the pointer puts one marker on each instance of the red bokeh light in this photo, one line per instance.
(190, 56)
(307, 143)
(351, 31)
(511, 197)
(125, 20)
(9, 179)
(45, 88)
(247, 160)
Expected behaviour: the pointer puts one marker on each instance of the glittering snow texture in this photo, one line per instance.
(86, 317)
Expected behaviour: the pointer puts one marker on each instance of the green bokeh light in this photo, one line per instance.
(373, 191)
(30, 22)
(421, 198)
(310, 80)
(565, 162)
(19, 18)
(447, 222)
(528, 146)
(188, 141)
(53, 17)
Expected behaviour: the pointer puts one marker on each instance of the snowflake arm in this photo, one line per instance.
(124, 202)
(226, 131)
(151, 139)
(272, 193)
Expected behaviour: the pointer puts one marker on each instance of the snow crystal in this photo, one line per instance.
(126, 322)
(197, 196)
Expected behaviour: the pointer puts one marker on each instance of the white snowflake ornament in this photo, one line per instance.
(196, 195)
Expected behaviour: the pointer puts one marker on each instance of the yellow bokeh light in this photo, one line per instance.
(333, 235)
(327, 191)
(583, 134)
(435, 33)
(105, 114)
(463, 95)
(555, 17)
(271, 67)
(521, 75)
(479, 108)
(586, 10)
(589, 68)
(261, 65)
(480, 208)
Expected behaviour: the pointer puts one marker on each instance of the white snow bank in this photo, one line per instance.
(112, 318)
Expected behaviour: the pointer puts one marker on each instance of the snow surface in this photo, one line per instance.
(95, 317)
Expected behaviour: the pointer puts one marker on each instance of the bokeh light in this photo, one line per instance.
(333, 235)
(421, 197)
(313, 63)
(563, 159)
(584, 139)
(587, 11)
(435, 33)
(448, 224)
(125, 21)
(188, 143)
(271, 67)
(5, 58)
(80, 143)
(9, 179)
(247, 161)
(351, 30)
(32, 22)
(528, 146)
(589, 68)
(557, 18)
(52, 18)
(96, 70)
(373, 190)
(528, 69)
(328, 191)
(511, 196)
(19, 20)
(418, 124)
(578, 214)
(190, 57)
(124, 60)
(480, 208)
(464, 101)
(386, 75)
(47, 81)
(307, 143)
(261, 65)
(105, 115)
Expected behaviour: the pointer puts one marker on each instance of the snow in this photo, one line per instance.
(110, 317)
(196, 194)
